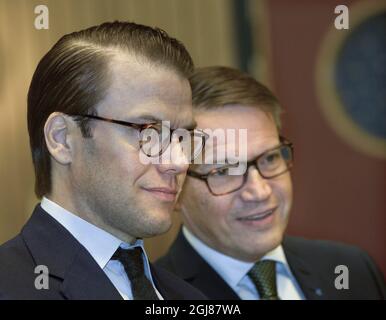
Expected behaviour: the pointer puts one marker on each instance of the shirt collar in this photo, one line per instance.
(100, 244)
(231, 269)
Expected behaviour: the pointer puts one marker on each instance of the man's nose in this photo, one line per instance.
(174, 160)
(256, 187)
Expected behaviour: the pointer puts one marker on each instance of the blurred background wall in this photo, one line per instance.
(331, 83)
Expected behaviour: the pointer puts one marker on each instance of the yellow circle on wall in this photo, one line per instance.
(355, 106)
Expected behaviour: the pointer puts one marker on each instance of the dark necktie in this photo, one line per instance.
(132, 261)
(263, 276)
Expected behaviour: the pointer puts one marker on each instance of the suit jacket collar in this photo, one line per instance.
(52, 245)
(164, 288)
(193, 268)
(309, 281)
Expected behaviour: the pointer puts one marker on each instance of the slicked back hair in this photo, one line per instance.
(73, 77)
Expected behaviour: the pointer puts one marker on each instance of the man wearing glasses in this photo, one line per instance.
(98, 103)
(232, 243)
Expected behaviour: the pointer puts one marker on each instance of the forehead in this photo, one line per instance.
(260, 127)
(138, 88)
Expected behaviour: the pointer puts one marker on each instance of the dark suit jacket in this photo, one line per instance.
(73, 273)
(312, 263)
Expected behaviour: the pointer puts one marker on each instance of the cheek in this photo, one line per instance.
(288, 189)
(216, 210)
(118, 164)
(192, 195)
(283, 191)
(196, 198)
(136, 175)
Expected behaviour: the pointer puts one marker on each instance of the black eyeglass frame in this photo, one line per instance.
(253, 162)
(145, 126)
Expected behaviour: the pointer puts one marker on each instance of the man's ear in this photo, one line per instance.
(56, 134)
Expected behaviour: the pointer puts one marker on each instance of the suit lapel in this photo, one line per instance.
(194, 269)
(309, 281)
(212, 284)
(53, 246)
(86, 280)
(167, 292)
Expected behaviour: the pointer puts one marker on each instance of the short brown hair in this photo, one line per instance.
(218, 86)
(73, 77)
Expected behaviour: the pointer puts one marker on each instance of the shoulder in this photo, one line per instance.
(13, 253)
(311, 249)
(16, 267)
(166, 262)
(182, 259)
(178, 288)
(326, 259)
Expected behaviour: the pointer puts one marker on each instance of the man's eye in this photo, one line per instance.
(221, 172)
(271, 158)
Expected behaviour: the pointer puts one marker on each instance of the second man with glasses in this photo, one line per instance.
(232, 243)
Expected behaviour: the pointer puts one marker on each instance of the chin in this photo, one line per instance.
(158, 225)
(273, 242)
(265, 244)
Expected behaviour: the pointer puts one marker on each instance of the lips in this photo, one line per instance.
(164, 190)
(163, 194)
(258, 216)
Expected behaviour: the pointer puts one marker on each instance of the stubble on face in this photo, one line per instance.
(108, 179)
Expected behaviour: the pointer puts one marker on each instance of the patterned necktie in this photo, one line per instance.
(263, 276)
(132, 261)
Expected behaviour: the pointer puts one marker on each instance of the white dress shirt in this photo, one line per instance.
(234, 272)
(101, 245)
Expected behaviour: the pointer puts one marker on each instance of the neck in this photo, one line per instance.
(83, 211)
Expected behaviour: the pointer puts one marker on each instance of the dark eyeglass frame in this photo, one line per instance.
(253, 162)
(156, 126)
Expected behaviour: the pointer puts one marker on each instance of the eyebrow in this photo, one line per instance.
(143, 117)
